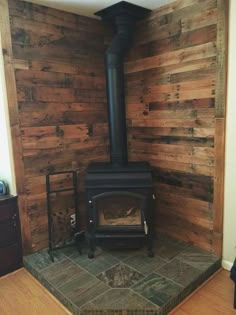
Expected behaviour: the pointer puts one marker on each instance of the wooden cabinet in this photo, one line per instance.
(10, 236)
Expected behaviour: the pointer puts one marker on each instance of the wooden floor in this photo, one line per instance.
(21, 294)
(214, 297)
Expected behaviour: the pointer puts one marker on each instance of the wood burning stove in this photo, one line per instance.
(119, 193)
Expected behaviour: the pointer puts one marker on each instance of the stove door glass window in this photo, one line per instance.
(119, 209)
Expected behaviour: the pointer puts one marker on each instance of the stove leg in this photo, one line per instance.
(92, 243)
(92, 248)
(150, 251)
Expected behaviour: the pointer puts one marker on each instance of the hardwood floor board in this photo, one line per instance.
(214, 297)
(21, 294)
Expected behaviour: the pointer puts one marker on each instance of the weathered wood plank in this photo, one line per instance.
(196, 182)
(172, 101)
(206, 160)
(61, 116)
(67, 68)
(14, 122)
(170, 114)
(52, 79)
(222, 46)
(206, 18)
(188, 104)
(173, 134)
(174, 123)
(186, 192)
(157, 72)
(171, 43)
(170, 139)
(75, 54)
(173, 165)
(193, 207)
(20, 64)
(219, 179)
(178, 229)
(176, 10)
(190, 220)
(171, 58)
(52, 16)
(221, 81)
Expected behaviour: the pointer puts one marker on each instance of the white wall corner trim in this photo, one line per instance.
(229, 239)
(227, 265)
(7, 172)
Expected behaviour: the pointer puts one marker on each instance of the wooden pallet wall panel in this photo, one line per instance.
(175, 96)
(175, 92)
(58, 72)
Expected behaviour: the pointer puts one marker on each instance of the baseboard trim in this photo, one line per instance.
(227, 264)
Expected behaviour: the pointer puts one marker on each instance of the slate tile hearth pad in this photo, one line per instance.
(157, 289)
(120, 276)
(197, 258)
(180, 272)
(144, 265)
(125, 281)
(119, 299)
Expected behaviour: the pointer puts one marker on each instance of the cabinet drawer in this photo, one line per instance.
(10, 258)
(7, 210)
(8, 232)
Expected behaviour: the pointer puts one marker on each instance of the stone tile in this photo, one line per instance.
(122, 254)
(120, 276)
(69, 251)
(167, 250)
(145, 264)
(157, 289)
(179, 272)
(82, 289)
(62, 272)
(41, 260)
(62, 298)
(118, 299)
(69, 280)
(101, 262)
(163, 238)
(197, 258)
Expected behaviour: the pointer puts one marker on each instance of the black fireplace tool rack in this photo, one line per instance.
(78, 236)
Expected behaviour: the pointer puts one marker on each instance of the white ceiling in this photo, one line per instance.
(89, 7)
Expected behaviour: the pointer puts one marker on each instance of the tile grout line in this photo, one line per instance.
(110, 286)
(191, 264)
(134, 269)
(99, 295)
(180, 285)
(156, 306)
(53, 264)
(86, 271)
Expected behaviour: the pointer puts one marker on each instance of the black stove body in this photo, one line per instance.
(119, 193)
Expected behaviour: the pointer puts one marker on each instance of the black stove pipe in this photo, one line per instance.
(122, 16)
(115, 91)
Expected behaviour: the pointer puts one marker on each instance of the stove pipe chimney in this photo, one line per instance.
(122, 16)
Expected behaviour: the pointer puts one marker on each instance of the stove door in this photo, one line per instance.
(119, 209)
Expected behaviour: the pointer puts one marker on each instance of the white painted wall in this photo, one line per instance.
(6, 160)
(89, 7)
(229, 240)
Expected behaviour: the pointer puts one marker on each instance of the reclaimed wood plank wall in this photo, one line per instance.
(175, 78)
(62, 117)
(175, 89)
